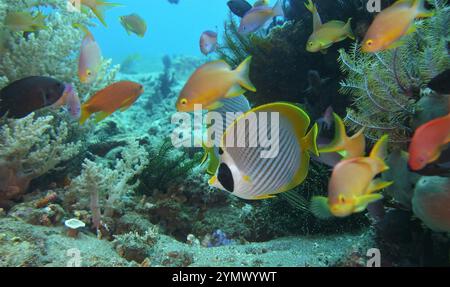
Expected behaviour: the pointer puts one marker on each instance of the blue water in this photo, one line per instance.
(172, 28)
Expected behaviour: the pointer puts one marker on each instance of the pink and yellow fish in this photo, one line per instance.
(393, 23)
(352, 186)
(90, 59)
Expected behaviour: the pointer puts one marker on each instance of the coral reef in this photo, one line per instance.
(99, 179)
(29, 148)
(146, 203)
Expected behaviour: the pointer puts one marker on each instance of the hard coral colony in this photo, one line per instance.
(259, 168)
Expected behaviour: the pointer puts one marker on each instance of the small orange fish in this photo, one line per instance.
(90, 59)
(393, 23)
(212, 82)
(120, 95)
(428, 142)
(352, 185)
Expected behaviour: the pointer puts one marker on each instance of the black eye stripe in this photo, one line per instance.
(225, 177)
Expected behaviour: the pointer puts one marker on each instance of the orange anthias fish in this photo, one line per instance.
(90, 59)
(212, 82)
(352, 185)
(120, 95)
(393, 23)
(98, 7)
(428, 141)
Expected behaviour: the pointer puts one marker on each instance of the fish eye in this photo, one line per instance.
(89, 73)
(369, 42)
(341, 199)
(220, 151)
(183, 101)
(310, 43)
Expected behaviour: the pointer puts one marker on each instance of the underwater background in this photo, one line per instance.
(113, 190)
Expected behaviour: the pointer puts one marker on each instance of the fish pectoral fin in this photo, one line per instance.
(411, 29)
(214, 161)
(265, 196)
(364, 200)
(396, 44)
(436, 155)
(126, 104)
(100, 116)
(324, 51)
(378, 184)
(235, 91)
(214, 106)
(212, 180)
(319, 207)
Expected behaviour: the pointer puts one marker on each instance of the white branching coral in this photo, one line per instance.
(30, 148)
(98, 179)
(49, 52)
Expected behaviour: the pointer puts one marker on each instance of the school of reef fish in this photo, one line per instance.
(363, 105)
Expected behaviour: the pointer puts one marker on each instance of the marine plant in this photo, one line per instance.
(387, 89)
(29, 148)
(167, 166)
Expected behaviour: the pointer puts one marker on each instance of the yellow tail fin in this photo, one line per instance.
(243, 72)
(352, 146)
(379, 151)
(310, 140)
(349, 30)
(85, 114)
(100, 6)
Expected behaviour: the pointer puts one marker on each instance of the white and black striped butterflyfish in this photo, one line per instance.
(245, 173)
(227, 113)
